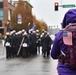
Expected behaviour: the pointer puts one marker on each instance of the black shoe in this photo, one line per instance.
(48, 56)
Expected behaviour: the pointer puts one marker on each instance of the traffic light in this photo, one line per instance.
(56, 6)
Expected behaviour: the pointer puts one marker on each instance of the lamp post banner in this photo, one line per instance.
(19, 19)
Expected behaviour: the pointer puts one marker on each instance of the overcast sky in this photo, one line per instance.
(44, 10)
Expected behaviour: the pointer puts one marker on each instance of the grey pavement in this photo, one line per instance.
(2, 50)
(35, 65)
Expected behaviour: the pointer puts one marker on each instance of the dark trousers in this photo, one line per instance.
(25, 52)
(8, 52)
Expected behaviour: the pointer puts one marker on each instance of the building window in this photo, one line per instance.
(1, 0)
(8, 1)
(1, 14)
(9, 14)
(1, 4)
(0, 23)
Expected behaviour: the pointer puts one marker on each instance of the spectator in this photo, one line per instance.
(58, 45)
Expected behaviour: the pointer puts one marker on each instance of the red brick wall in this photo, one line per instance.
(6, 6)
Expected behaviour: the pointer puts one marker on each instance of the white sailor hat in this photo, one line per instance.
(7, 33)
(24, 33)
(37, 30)
(23, 30)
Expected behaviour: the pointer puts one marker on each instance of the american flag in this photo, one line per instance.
(67, 37)
(33, 27)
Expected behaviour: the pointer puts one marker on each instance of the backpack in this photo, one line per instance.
(69, 38)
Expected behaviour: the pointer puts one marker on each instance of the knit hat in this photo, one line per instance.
(69, 17)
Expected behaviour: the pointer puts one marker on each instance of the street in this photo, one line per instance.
(35, 65)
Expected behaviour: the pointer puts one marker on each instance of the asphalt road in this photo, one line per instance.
(35, 65)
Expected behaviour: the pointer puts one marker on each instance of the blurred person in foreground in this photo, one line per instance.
(60, 48)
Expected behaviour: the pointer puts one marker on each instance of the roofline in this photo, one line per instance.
(25, 1)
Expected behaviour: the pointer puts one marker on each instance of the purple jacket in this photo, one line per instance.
(58, 45)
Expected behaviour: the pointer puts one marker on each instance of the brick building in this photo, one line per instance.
(6, 8)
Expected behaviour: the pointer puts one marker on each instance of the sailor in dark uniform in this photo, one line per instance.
(8, 45)
(38, 41)
(25, 45)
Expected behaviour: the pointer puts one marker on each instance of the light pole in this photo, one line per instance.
(8, 26)
(61, 2)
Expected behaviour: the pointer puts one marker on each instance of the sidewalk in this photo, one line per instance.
(2, 49)
(2, 54)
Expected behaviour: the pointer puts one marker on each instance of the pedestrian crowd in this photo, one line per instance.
(23, 44)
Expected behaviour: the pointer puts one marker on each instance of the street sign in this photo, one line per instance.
(68, 6)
